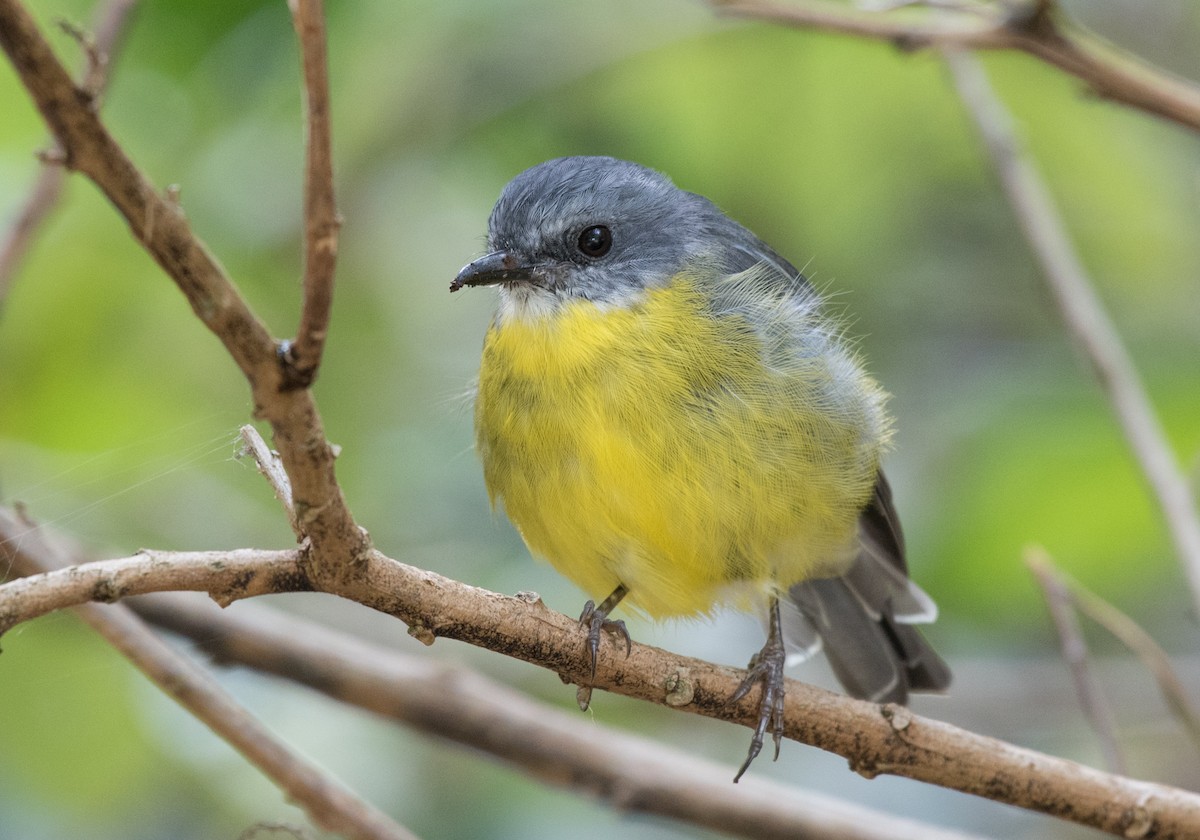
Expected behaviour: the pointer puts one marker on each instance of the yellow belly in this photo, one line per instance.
(652, 446)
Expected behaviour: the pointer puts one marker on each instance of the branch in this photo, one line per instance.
(326, 802)
(160, 226)
(110, 23)
(1074, 651)
(1083, 313)
(627, 772)
(1142, 644)
(1032, 27)
(225, 575)
(272, 470)
(321, 220)
(631, 773)
(875, 739)
(37, 207)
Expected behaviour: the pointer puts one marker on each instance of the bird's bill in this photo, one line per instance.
(497, 267)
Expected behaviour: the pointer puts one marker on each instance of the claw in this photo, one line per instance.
(766, 668)
(596, 620)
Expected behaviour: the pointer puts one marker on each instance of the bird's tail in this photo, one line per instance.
(863, 619)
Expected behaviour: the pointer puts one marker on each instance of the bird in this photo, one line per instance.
(668, 416)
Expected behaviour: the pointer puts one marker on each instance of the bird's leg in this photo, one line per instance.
(766, 668)
(596, 620)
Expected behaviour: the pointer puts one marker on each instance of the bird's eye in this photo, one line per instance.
(595, 241)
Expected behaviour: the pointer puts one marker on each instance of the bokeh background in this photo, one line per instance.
(119, 412)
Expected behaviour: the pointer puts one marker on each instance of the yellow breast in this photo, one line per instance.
(679, 446)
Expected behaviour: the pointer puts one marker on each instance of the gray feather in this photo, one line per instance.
(863, 617)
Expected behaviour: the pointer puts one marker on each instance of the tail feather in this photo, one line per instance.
(856, 645)
(863, 618)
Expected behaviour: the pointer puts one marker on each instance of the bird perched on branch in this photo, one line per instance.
(669, 419)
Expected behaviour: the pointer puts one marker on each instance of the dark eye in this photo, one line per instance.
(595, 241)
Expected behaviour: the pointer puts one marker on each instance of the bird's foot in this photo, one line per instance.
(765, 669)
(596, 620)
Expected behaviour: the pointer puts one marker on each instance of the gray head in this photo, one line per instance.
(604, 229)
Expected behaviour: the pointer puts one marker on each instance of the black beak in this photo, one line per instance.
(497, 267)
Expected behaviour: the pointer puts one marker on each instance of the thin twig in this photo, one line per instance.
(108, 29)
(327, 803)
(1033, 28)
(1083, 314)
(271, 468)
(321, 220)
(875, 739)
(630, 773)
(42, 199)
(1142, 644)
(110, 23)
(1147, 650)
(1074, 650)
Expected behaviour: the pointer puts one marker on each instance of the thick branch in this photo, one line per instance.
(888, 739)
(1033, 29)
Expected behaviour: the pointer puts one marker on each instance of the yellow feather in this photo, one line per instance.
(705, 436)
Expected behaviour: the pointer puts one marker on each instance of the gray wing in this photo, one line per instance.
(864, 617)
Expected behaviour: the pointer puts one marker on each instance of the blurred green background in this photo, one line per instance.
(118, 411)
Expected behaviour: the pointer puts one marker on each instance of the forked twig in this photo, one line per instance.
(1129, 633)
(1092, 699)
